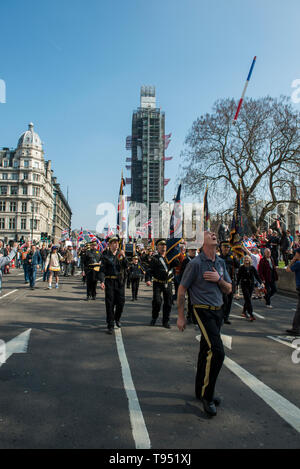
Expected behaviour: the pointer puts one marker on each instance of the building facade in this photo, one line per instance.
(26, 190)
(62, 213)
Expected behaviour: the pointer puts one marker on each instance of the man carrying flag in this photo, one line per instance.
(161, 267)
(236, 233)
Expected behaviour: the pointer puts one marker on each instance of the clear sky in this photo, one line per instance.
(74, 68)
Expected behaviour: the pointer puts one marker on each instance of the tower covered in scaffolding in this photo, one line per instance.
(147, 151)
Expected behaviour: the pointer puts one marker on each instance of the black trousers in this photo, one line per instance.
(135, 282)
(114, 300)
(211, 353)
(271, 290)
(227, 302)
(91, 283)
(162, 290)
(296, 320)
(190, 312)
(247, 294)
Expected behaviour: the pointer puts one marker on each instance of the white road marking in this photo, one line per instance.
(256, 314)
(139, 430)
(284, 342)
(18, 344)
(288, 411)
(6, 294)
(226, 339)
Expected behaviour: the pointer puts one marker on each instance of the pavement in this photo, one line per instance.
(66, 383)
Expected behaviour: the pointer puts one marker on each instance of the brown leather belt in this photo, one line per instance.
(111, 276)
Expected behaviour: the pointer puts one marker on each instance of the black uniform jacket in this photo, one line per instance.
(91, 257)
(159, 269)
(113, 265)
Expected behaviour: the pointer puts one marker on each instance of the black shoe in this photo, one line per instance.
(227, 322)
(132, 299)
(167, 325)
(292, 332)
(110, 331)
(216, 400)
(87, 298)
(118, 324)
(93, 297)
(152, 322)
(209, 407)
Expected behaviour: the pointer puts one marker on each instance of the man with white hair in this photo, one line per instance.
(207, 279)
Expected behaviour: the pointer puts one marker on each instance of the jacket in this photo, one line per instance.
(265, 271)
(6, 259)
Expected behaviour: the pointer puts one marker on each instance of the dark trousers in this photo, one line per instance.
(227, 302)
(159, 290)
(211, 353)
(247, 294)
(296, 320)
(271, 290)
(190, 312)
(32, 274)
(91, 284)
(114, 300)
(135, 282)
(26, 273)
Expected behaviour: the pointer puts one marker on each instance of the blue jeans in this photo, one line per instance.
(26, 273)
(32, 275)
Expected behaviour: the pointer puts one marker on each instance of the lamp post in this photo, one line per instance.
(32, 220)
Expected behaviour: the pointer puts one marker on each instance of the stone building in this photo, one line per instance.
(26, 190)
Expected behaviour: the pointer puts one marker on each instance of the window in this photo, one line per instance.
(14, 190)
(23, 223)
(35, 177)
(4, 176)
(24, 191)
(26, 164)
(12, 206)
(5, 163)
(14, 176)
(3, 190)
(12, 224)
(35, 224)
(36, 164)
(35, 191)
(2, 205)
(16, 164)
(25, 176)
(2, 223)
(24, 206)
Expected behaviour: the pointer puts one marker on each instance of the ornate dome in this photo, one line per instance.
(30, 138)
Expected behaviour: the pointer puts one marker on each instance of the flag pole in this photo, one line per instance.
(244, 91)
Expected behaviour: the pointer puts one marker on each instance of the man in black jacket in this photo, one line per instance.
(232, 265)
(162, 275)
(112, 278)
(92, 260)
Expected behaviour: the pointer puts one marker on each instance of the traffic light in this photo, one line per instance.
(44, 236)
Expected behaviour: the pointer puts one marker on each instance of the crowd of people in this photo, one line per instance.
(210, 276)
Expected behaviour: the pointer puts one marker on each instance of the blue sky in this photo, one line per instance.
(74, 68)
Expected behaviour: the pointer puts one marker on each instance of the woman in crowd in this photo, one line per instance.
(53, 261)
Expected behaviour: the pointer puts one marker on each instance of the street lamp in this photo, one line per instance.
(32, 220)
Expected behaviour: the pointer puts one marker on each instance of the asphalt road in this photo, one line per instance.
(74, 386)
